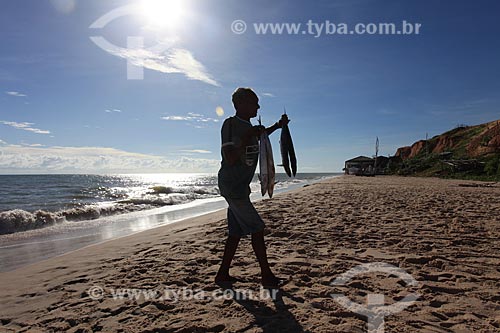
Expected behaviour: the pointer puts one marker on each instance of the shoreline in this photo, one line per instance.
(443, 234)
(58, 207)
(25, 248)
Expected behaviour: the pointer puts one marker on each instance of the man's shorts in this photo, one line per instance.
(242, 218)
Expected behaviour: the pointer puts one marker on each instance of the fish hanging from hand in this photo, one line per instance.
(266, 164)
(288, 157)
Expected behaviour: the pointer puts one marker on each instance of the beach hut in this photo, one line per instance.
(359, 165)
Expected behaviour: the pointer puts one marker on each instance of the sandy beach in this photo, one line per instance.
(443, 233)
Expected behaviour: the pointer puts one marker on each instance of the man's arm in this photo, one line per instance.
(284, 120)
(272, 128)
(231, 154)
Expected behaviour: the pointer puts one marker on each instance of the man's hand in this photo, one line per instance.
(279, 124)
(283, 121)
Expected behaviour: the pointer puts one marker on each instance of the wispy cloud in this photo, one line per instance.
(175, 118)
(113, 110)
(268, 94)
(470, 105)
(196, 151)
(472, 111)
(15, 93)
(162, 58)
(33, 145)
(24, 126)
(25, 159)
(193, 119)
(386, 112)
(64, 6)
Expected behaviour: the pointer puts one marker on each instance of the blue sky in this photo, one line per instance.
(66, 104)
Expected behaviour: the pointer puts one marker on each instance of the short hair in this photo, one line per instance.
(242, 95)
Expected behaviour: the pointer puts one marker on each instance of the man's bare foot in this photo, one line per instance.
(225, 279)
(272, 282)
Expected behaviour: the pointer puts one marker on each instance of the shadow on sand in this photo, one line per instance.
(275, 320)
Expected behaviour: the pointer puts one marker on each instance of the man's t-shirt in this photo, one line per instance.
(234, 180)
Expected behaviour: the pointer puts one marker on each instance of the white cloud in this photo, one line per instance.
(161, 58)
(25, 159)
(268, 94)
(15, 93)
(2, 142)
(64, 6)
(197, 151)
(192, 117)
(175, 118)
(24, 126)
(113, 110)
(386, 112)
(187, 64)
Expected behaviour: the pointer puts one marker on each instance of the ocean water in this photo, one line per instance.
(46, 215)
(36, 201)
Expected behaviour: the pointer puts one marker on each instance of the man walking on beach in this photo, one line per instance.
(240, 151)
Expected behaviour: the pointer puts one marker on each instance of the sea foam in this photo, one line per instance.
(21, 220)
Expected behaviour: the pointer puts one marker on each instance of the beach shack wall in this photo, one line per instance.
(359, 165)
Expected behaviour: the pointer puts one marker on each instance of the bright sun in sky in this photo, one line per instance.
(163, 13)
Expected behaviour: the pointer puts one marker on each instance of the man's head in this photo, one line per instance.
(245, 102)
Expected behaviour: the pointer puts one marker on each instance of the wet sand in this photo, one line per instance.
(444, 233)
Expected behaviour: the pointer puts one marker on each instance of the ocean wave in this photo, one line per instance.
(173, 199)
(206, 190)
(20, 220)
(97, 201)
(203, 190)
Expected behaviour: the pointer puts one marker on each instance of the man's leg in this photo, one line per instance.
(259, 247)
(229, 251)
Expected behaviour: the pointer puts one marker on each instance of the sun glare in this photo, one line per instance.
(220, 111)
(162, 13)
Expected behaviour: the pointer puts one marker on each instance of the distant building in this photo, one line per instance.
(359, 165)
